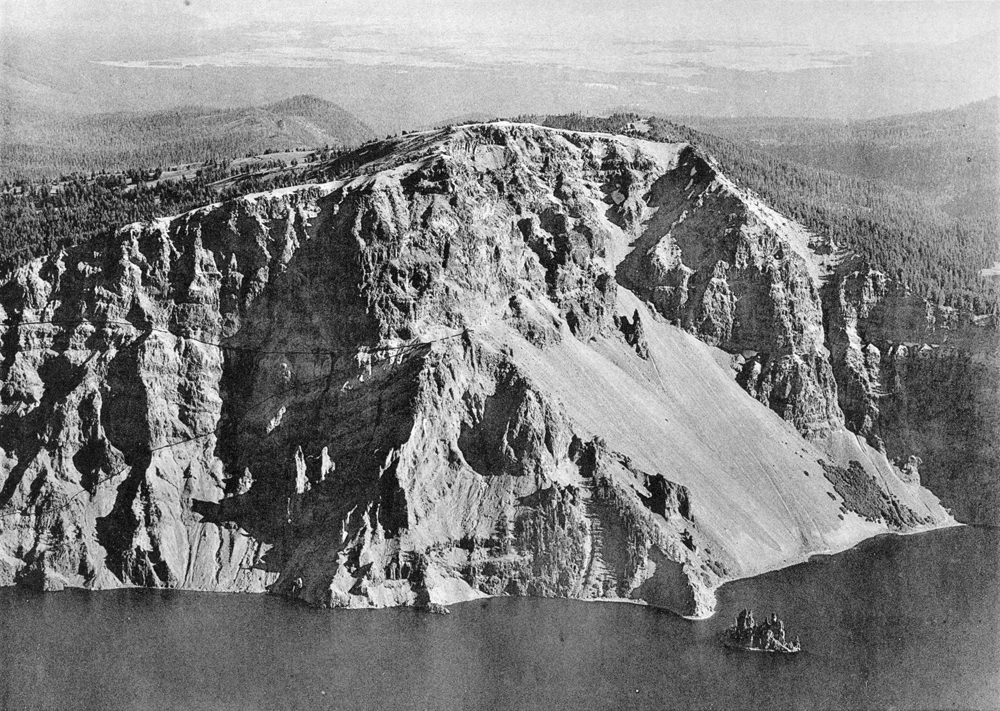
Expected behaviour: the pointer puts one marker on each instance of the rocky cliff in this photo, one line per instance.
(469, 369)
(820, 337)
(722, 265)
(922, 383)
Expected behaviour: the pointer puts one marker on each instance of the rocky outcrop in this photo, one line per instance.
(426, 384)
(920, 382)
(490, 491)
(864, 497)
(716, 262)
(818, 337)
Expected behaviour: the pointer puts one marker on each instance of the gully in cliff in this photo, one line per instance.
(767, 636)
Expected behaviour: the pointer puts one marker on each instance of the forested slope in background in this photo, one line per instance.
(951, 158)
(37, 217)
(62, 144)
(894, 228)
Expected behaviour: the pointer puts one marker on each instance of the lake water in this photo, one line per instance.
(899, 622)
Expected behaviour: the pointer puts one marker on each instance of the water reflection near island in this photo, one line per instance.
(899, 622)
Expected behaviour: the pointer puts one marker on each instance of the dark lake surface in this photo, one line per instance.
(899, 622)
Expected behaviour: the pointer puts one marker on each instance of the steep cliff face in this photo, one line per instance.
(921, 383)
(723, 266)
(450, 376)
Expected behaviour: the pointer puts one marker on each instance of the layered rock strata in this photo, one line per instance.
(922, 383)
(450, 376)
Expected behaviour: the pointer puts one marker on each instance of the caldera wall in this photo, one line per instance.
(455, 374)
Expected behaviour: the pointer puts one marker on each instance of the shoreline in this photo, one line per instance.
(639, 603)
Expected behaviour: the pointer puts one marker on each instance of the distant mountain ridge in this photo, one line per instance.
(63, 144)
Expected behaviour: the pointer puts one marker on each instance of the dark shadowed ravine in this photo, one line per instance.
(898, 622)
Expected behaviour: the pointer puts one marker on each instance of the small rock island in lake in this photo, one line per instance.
(767, 636)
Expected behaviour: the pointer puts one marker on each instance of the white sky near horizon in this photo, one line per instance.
(671, 44)
(557, 24)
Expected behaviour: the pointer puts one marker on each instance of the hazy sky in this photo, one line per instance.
(806, 57)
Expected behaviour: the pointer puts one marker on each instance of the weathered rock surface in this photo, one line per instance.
(454, 375)
(922, 383)
(718, 263)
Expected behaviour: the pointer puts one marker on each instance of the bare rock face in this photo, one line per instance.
(451, 376)
(718, 263)
(920, 382)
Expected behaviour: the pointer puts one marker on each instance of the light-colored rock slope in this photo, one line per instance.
(434, 385)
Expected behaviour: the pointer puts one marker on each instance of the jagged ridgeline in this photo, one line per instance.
(909, 301)
(485, 360)
(899, 231)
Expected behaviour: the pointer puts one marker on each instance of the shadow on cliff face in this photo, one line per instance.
(692, 262)
(921, 383)
(943, 406)
(316, 467)
(284, 285)
(125, 418)
(26, 436)
(350, 281)
(133, 512)
(711, 264)
(669, 587)
(291, 293)
(508, 431)
(684, 252)
(48, 377)
(330, 450)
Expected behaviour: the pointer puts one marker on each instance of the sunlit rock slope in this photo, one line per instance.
(499, 359)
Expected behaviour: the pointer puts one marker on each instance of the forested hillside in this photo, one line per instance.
(898, 231)
(55, 145)
(37, 217)
(951, 158)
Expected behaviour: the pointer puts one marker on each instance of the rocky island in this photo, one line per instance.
(767, 636)
(494, 359)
